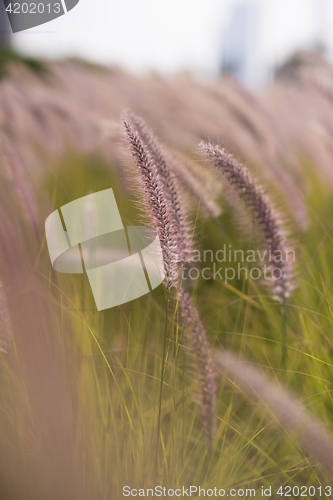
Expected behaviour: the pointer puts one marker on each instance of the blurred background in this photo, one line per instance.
(80, 390)
(248, 38)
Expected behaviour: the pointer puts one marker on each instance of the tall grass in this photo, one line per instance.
(81, 391)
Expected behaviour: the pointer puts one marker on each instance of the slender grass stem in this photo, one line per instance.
(162, 374)
(183, 413)
(284, 333)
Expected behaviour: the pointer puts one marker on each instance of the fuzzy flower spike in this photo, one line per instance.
(157, 206)
(166, 177)
(264, 217)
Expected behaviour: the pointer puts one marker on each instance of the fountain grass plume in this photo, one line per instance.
(157, 207)
(203, 363)
(277, 402)
(264, 216)
(161, 163)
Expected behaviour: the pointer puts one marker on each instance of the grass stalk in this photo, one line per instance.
(284, 333)
(162, 376)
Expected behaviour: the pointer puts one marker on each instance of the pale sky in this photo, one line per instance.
(171, 35)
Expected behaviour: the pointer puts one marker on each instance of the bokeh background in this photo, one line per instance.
(80, 390)
(250, 38)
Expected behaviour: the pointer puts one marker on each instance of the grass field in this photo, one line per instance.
(80, 389)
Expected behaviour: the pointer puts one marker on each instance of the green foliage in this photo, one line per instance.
(9, 57)
(110, 362)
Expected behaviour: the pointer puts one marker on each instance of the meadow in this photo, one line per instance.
(246, 364)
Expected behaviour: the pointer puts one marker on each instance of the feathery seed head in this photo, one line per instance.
(157, 205)
(263, 213)
(311, 436)
(162, 165)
